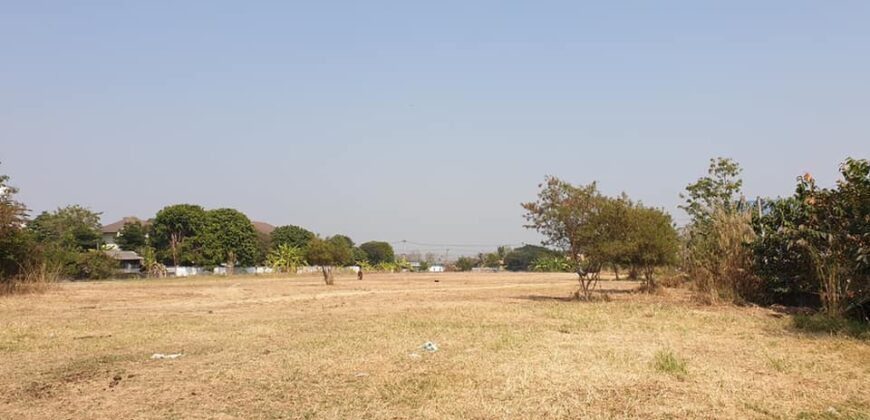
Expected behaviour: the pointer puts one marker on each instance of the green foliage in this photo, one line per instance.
(378, 252)
(465, 263)
(424, 266)
(718, 191)
(821, 236)
(666, 361)
(15, 241)
(73, 227)
(132, 237)
(294, 236)
(344, 238)
(228, 237)
(95, 265)
(824, 323)
(553, 264)
(264, 246)
(651, 241)
(174, 234)
(286, 258)
(595, 231)
(357, 255)
(524, 257)
(490, 260)
(329, 253)
(784, 268)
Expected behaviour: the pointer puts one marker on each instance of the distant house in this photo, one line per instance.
(113, 230)
(129, 262)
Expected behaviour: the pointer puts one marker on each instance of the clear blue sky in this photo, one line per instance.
(426, 121)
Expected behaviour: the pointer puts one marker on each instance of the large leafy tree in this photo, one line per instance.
(72, 227)
(132, 237)
(14, 239)
(329, 253)
(291, 235)
(228, 237)
(562, 213)
(174, 233)
(378, 252)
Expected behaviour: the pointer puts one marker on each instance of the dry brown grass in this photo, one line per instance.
(510, 345)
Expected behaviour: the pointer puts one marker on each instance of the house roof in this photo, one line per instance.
(263, 227)
(116, 226)
(123, 255)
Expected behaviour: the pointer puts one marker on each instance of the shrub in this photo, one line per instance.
(95, 265)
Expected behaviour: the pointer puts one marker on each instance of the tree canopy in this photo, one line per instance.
(132, 237)
(228, 237)
(174, 233)
(378, 252)
(291, 235)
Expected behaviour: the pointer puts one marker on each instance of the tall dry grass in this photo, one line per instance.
(33, 278)
(720, 261)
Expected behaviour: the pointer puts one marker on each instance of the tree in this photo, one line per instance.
(523, 258)
(562, 213)
(72, 227)
(286, 258)
(465, 263)
(228, 237)
(491, 260)
(15, 241)
(719, 190)
(132, 237)
(650, 241)
(378, 252)
(833, 233)
(329, 253)
(291, 235)
(174, 233)
(344, 238)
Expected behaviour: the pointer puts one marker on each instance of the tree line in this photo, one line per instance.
(68, 243)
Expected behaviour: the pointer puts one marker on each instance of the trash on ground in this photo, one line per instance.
(414, 356)
(361, 374)
(430, 347)
(161, 356)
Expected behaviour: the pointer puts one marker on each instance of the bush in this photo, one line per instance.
(95, 265)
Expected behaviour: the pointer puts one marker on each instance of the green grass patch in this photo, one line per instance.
(826, 324)
(666, 361)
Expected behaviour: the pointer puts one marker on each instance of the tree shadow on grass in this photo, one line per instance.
(600, 295)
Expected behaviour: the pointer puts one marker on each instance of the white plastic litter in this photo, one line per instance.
(161, 356)
(414, 355)
(430, 347)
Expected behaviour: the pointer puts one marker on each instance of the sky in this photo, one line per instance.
(421, 121)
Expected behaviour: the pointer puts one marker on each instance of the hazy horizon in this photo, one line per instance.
(428, 123)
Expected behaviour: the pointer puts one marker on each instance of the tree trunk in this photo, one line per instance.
(328, 275)
(616, 271)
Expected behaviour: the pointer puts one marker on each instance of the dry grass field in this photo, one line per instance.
(510, 347)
